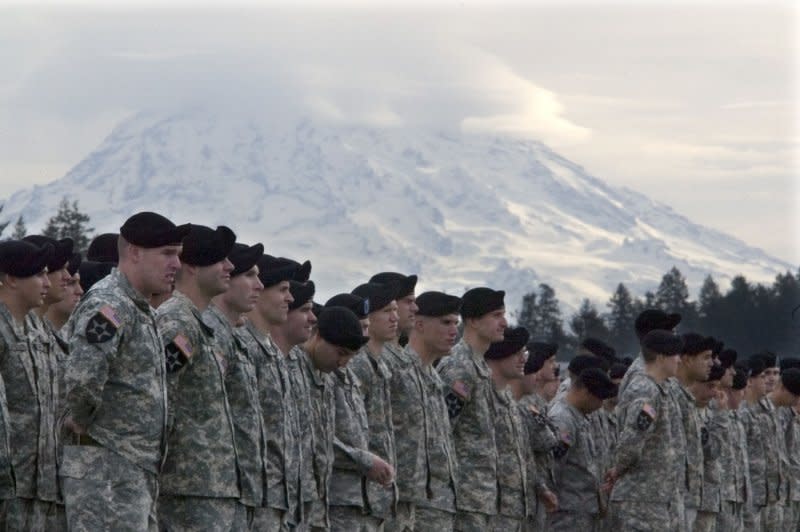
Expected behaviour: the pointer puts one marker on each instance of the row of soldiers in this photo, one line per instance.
(196, 385)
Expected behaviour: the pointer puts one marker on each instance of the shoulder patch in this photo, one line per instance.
(102, 326)
(646, 417)
(178, 352)
(563, 445)
(461, 389)
(455, 403)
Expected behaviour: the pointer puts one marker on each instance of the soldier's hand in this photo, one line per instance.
(73, 427)
(550, 501)
(381, 472)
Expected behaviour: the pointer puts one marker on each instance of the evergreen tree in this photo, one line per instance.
(709, 298)
(20, 231)
(621, 317)
(587, 322)
(70, 222)
(527, 313)
(673, 293)
(548, 316)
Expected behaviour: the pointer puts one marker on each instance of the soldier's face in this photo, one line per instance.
(735, 398)
(512, 367)
(383, 323)
(439, 333)
(274, 302)
(670, 364)
(158, 267)
(58, 285)
(548, 371)
(406, 313)
(72, 294)
(328, 357)
(490, 326)
(364, 326)
(242, 294)
(215, 279)
(697, 366)
(727, 378)
(299, 324)
(32, 290)
(771, 378)
(757, 385)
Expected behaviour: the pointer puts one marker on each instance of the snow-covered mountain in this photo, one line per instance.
(461, 210)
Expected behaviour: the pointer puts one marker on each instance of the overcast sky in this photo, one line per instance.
(693, 104)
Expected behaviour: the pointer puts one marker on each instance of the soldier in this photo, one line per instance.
(506, 360)
(281, 422)
(116, 385)
(754, 393)
(406, 305)
(426, 456)
(225, 315)
(735, 474)
(356, 304)
(606, 418)
(576, 366)
(542, 433)
(591, 347)
(103, 248)
(24, 284)
(58, 313)
(790, 426)
(470, 404)
(645, 464)
(577, 478)
(648, 320)
(201, 426)
(335, 341)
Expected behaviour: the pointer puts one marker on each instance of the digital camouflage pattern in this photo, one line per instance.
(756, 464)
(7, 488)
(790, 426)
(543, 437)
(510, 435)
(735, 487)
(693, 432)
(300, 389)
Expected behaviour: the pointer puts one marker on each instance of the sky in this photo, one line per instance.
(694, 104)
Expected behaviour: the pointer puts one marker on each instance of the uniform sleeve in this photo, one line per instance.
(566, 429)
(361, 368)
(348, 457)
(459, 387)
(638, 420)
(98, 334)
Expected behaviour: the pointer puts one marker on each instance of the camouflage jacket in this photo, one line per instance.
(774, 451)
(713, 421)
(649, 453)
(351, 458)
(300, 391)
(115, 375)
(603, 425)
(756, 449)
(542, 440)
(13, 354)
(790, 421)
(241, 387)
(576, 472)
(469, 401)
(693, 430)
(510, 436)
(733, 459)
(281, 423)
(201, 458)
(636, 368)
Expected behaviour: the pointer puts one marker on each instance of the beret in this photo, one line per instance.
(663, 342)
(357, 304)
(791, 380)
(303, 272)
(274, 270)
(340, 327)
(437, 304)
(727, 357)
(598, 383)
(74, 263)
(62, 250)
(739, 379)
(789, 363)
(514, 340)
(151, 230)
(716, 373)
(617, 371)
(599, 348)
(103, 248)
(478, 302)
(694, 344)
(770, 359)
(582, 362)
(244, 257)
(756, 365)
(651, 319)
(406, 283)
(24, 259)
(316, 308)
(204, 246)
(378, 295)
(538, 353)
(301, 292)
(719, 345)
(92, 271)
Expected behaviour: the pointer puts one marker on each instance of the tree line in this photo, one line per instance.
(67, 222)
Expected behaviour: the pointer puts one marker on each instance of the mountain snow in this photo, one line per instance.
(461, 210)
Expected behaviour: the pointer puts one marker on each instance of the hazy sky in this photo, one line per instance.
(693, 104)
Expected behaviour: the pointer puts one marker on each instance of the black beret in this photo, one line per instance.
(740, 379)
(103, 248)
(756, 365)
(514, 340)
(357, 304)
(274, 270)
(663, 342)
(617, 371)
(716, 373)
(92, 271)
(151, 230)
(303, 272)
(437, 304)
(62, 250)
(538, 353)
(316, 308)
(791, 380)
(582, 362)
(598, 383)
(727, 357)
(599, 348)
(718, 346)
(204, 246)
(770, 359)
(340, 327)
(694, 344)
(406, 283)
(789, 363)
(378, 295)
(557, 371)
(478, 302)
(244, 257)
(74, 263)
(651, 319)
(301, 292)
(23, 259)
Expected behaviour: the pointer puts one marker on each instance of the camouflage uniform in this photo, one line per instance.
(647, 458)
(512, 486)
(692, 486)
(776, 465)
(199, 486)
(756, 449)
(281, 426)
(373, 378)
(241, 387)
(604, 434)
(322, 411)
(352, 460)
(469, 401)
(577, 481)
(712, 440)
(300, 393)
(790, 426)
(734, 473)
(116, 389)
(542, 439)
(6, 458)
(636, 368)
